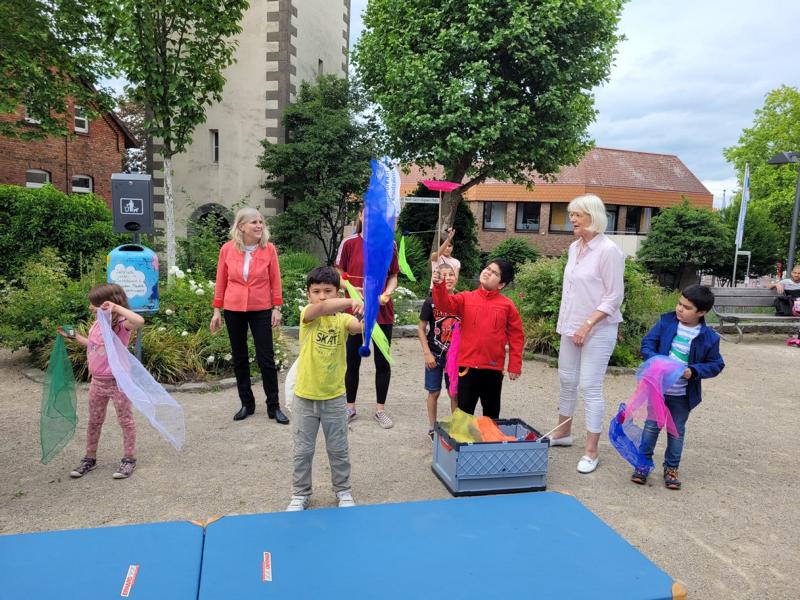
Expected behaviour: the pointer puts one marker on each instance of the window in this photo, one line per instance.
(81, 184)
(29, 118)
(214, 145)
(527, 216)
(494, 215)
(611, 213)
(633, 219)
(36, 178)
(81, 122)
(559, 219)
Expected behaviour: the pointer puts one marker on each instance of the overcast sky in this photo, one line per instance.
(689, 77)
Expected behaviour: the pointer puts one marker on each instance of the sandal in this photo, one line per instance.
(671, 481)
(639, 477)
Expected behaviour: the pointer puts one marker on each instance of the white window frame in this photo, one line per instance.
(33, 184)
(84, 128)
(79, 189)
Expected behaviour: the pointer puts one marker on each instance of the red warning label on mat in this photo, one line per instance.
(130, 579)
(266, 567)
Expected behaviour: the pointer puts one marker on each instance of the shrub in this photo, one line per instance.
(77, 226)
(418, 259)
(200, 250)
(177, 345)
(295, 266)
(538, 296)
(515, 250)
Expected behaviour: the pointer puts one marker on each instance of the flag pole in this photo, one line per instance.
(740, 224)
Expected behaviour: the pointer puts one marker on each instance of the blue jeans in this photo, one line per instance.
(678, 407)
(433, 376)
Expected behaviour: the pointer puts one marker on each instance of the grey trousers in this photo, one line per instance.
(307, 416)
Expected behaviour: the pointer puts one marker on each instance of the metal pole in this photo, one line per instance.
(138, 347)
(735, 260)
(793, 235)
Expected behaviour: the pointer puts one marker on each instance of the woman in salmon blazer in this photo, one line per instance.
(248, 290)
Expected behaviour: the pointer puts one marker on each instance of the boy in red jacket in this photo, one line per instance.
(489, 321)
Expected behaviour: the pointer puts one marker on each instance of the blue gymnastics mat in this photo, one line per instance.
(158, 560)
(540, 545)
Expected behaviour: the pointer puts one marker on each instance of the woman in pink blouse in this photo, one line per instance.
(248, 288)
(588, 319)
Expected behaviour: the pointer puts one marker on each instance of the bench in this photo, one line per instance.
(731, 306)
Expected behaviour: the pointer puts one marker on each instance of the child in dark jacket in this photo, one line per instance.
(683, 336)
(489, 321)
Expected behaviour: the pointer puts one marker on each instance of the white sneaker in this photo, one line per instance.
(297, 503)
(345, 498)
(384, 420)
(562, 441)
(587, 465)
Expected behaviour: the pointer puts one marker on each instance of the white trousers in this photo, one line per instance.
(584, 367)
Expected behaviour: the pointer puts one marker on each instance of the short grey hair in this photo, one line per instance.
(592, 206)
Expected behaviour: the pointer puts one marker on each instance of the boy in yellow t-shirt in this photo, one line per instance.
(319, 393)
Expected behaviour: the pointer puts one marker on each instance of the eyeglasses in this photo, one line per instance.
(493, 272)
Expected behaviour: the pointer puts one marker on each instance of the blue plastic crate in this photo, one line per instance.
(469, 469)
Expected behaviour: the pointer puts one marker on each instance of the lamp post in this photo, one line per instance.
(783, 158)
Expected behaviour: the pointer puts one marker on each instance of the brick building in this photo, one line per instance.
(79, 162)
(633, 185)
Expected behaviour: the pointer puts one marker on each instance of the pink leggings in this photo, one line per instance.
(100, 390)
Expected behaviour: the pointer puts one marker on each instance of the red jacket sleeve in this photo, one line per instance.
(516, 339)
(275, 277)
(449, 303)
(222, 277)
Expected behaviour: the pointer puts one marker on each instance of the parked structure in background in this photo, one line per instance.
(283, 42)
(80, 162)
(634, 186)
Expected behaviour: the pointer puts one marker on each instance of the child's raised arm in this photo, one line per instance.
(132, 320)
(331, 306)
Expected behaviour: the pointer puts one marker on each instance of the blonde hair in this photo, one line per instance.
(592, 206)
(243, 215)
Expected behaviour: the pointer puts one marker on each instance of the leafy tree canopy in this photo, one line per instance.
(322, 167)
(776, 128)
(762, 237)
(173, 53)
(685, 237)
(52, 50)
(486, 88)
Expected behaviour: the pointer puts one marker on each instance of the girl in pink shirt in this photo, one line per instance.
(103, 386)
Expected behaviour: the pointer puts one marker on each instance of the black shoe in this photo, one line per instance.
(277, 414)
(243, 413)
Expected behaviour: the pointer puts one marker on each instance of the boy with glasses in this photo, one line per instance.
(489, 322)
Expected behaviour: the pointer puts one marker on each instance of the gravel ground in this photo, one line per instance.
(727, 534)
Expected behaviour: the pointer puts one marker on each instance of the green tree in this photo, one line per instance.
(324, 164)
(416, 219)
(762, 237)
(776, 128)
(132, 113)
(52, 51)
(684, 238)
(486, 88)
(173, 55)
(516, 250)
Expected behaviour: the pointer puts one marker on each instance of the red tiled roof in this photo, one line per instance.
(604, 167)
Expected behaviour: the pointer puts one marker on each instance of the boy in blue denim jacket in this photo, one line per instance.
(683, 336)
